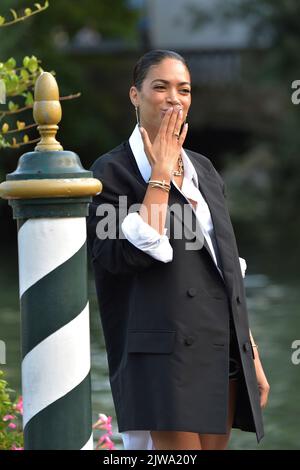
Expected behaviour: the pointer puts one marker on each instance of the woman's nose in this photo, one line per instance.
(174, 102)
(173, 99)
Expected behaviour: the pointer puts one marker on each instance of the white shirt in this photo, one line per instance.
(147, 239)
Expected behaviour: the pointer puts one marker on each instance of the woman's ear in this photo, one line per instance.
(133, 94)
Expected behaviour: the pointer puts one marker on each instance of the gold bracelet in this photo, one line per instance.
(163, 182)
(158, 185)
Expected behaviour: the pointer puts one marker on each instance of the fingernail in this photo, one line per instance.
(180, 113)
(170, 110)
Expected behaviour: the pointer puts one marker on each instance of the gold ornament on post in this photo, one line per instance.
(47, 111)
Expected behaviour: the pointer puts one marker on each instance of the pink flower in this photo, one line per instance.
(103, 418)
(104, 422)
(17, 448)
(106, 443)
(19, 406)
(12, 426)
(8, 417)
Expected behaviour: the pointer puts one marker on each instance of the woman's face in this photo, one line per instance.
(166, 84)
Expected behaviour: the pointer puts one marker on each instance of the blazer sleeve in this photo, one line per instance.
(111, 249)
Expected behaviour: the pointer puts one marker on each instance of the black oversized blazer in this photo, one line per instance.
(166, 325)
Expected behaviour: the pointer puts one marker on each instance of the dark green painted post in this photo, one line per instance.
(49, 193)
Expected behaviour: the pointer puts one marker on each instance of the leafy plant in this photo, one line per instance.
(11, 435)
(27, 12)
(17, 82)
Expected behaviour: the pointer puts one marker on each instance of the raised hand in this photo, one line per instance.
(163, 153)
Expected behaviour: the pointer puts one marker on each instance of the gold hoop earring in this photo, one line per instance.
(137, 116)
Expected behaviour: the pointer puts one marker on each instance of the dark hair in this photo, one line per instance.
(153, 57)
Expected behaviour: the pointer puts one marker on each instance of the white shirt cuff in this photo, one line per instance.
(146, 238)
(243, 265)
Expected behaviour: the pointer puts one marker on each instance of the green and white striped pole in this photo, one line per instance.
(49, 193)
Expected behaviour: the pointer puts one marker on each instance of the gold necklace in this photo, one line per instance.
(179, 172)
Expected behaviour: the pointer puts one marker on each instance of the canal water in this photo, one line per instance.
(275, 323)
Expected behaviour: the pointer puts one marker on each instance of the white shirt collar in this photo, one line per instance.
(137, 147)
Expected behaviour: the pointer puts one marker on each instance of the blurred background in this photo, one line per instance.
(244, 59)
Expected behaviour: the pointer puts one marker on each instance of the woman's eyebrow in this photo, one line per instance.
(167, 82)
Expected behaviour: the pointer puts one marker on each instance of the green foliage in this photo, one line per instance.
(275, 28)
(111, 19)
(279, 22)
(21, 17)
(17, 82)
(64, 19)
(11, 435)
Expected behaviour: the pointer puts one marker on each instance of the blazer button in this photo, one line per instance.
(238, 299)
(189, 340)
(192, 291)
(246, 346)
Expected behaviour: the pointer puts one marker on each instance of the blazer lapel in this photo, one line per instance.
(211, 192)
(192, 228)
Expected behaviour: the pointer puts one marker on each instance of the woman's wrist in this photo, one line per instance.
(159, 173)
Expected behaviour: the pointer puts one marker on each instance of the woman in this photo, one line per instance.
(183, 365)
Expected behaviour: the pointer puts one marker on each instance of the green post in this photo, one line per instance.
(49, 193)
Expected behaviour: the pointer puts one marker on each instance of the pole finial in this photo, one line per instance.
(47, 111)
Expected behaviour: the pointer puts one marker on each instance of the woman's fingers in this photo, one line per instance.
(165, 122)
(178, 123)
(263, 399)
(183, 134)
(172, 122)
(169, 133)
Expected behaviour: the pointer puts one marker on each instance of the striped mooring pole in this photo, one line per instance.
(49, 193)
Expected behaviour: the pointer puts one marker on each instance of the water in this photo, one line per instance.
(275, 324)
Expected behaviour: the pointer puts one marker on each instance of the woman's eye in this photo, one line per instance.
(185, 90)
(159, 87)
